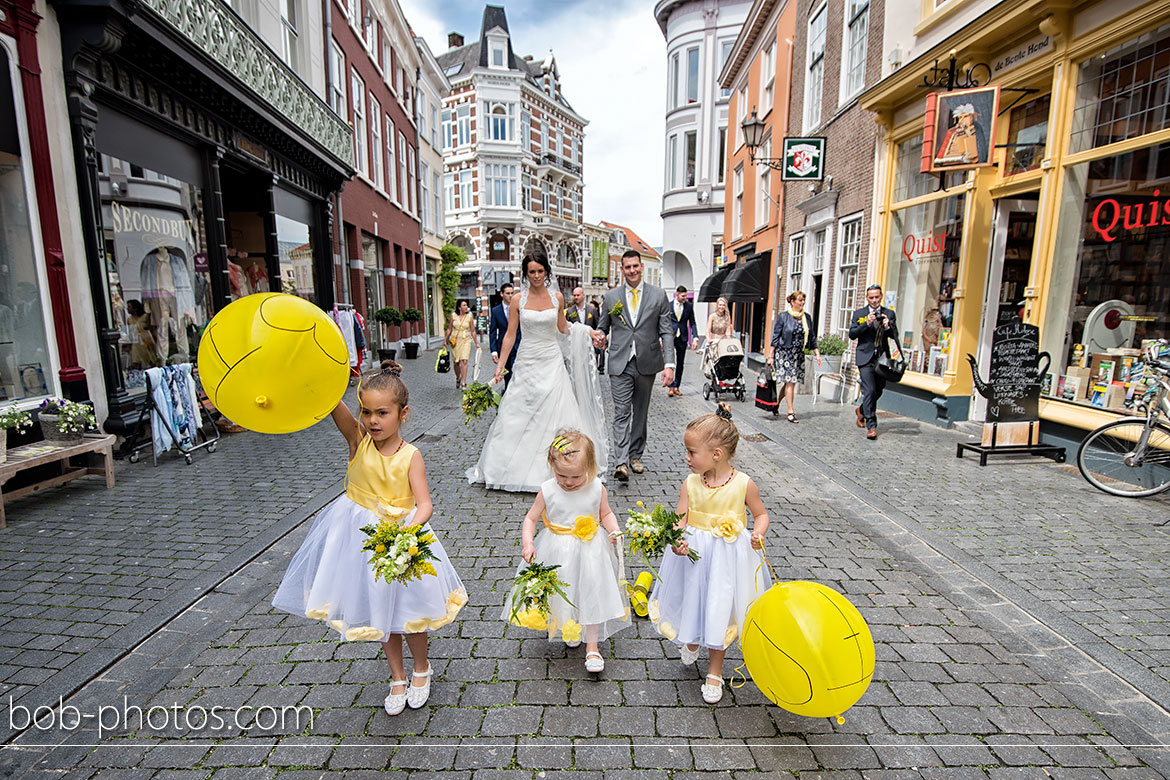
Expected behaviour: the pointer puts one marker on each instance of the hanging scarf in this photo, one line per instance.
(802, 316)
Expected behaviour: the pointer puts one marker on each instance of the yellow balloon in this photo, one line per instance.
(273, 363)
(808, 649)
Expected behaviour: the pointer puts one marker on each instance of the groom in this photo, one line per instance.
(635, 321)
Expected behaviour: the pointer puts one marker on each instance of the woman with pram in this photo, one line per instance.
(792, 334)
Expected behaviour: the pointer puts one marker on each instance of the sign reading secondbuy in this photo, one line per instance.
(804, 159)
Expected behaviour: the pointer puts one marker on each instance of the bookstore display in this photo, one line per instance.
(1115, 300)
(923, 273)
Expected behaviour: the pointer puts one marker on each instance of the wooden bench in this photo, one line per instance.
(42, 452)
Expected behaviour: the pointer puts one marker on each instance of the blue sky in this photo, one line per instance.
(612, 60)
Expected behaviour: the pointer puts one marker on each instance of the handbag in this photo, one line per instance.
(766, 396)
(443, 362)
(890, 364)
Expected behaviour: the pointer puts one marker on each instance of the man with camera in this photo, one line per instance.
(871, 325)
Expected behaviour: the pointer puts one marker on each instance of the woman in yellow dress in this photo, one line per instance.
(459, 336)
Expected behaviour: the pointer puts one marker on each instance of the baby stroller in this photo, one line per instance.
(721, 361)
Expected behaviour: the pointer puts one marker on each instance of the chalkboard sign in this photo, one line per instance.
(1016, 373)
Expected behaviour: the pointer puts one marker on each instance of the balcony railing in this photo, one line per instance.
(552, 159)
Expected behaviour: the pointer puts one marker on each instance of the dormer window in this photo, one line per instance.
(497, 47)
(497, 56)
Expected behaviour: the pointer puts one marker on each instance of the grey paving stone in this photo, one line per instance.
(511, 721)
(544, 753)
(570, 722)
(602, 754)
(660, 753)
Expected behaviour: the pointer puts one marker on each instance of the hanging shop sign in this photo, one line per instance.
(959, 128)
(804, 159)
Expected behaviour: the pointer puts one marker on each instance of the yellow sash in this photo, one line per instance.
(584, 528)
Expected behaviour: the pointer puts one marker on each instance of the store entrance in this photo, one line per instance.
(1006, 295)
(247, 207)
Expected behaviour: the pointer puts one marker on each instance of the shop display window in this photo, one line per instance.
(909, 182)
(1028, 135)
(157, 266)
(923, 269)
(1110, 292)
(1123, 93)
(295, 246)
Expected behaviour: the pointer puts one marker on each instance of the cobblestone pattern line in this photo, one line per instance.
(953, 695)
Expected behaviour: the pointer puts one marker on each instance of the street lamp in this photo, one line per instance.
(753, 135)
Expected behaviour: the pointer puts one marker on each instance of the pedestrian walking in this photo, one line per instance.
(574, 507)
(461, 332)
(792, 334)
(704, 602)
(498, 328)
(871, 324)
(330, 578)
(686, 334)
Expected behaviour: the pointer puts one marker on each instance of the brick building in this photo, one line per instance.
(513, 153)
(372, 70)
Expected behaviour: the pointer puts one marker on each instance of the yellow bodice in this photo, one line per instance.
(720, 510)
(374, 478)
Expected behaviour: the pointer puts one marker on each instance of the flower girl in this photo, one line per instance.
(330, 577)
(705, 602)
(569, 505)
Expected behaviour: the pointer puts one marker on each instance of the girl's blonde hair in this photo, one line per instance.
(717, 430)
(389, 378)
(573, 448)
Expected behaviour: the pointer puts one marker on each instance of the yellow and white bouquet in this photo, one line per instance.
(650, 533)
(400, 553)
(533, 587)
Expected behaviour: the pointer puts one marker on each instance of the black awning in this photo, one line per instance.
(749, 282)
(710, 289)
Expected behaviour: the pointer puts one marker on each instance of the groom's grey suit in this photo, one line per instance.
(641, 344)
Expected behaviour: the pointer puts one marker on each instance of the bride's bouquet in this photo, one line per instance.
(650, 533)
(477, 399)
(533, 587)
(400, 553)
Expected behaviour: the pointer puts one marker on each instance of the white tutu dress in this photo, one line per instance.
(574, 539)
(330, 578)
(705, 602)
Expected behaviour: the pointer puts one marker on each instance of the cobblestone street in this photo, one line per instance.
(1020, 618)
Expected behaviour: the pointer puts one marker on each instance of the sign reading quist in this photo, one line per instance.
(1112, 217)
(928, 247)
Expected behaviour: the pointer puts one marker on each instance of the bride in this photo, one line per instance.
(544, 397)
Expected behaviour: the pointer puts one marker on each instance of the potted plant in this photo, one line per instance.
(832, 348)
(388, 315)
(65, 421)
(411, 316)
(15, 419)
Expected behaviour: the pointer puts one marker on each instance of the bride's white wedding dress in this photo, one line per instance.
(542, 399)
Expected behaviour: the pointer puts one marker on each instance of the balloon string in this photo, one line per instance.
(739, 669)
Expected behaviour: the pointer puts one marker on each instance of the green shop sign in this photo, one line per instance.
(804, 159)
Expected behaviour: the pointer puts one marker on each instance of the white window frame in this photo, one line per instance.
(740, 115)
(391, 160)
(379, 172)
(358, 104)
(424, 183)
(465, 194)
(437, 217)
(673, 84)
(795, 264)
(721, 155)
(856, 21)
(421, 116)
(692, 84)
(448, 192)
(500, 184)
(337, 90)
(690, 146)
(764, 186)
(768, 79)
(737, 206)
(672, 162)
(725, 48)
(814, 77)
(462, 125)
(849, 246)
(289, 37)
(413, 178)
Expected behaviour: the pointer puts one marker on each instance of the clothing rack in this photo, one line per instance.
(132, 447)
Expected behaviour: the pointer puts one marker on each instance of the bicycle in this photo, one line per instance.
(1130, 457)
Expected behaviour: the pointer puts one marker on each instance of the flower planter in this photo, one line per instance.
(50, 428)
(411, 350)
(387, 354)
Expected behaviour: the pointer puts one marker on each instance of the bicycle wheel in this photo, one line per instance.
(1107, 459)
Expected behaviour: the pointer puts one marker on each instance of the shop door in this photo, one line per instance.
(1008, 270)
(373, 303)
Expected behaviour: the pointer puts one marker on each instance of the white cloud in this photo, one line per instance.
(613, 72)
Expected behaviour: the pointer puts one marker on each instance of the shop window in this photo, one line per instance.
(923, 269)
(295, 247)
(159, 278)
(1027, 135)
(1110, 291)
(1123, 93)
(909, 181)
(26, 371)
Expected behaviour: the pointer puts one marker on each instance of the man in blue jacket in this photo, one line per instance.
(865, 325)
(497, 329)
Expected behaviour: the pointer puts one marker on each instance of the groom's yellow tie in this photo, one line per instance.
(634, 300)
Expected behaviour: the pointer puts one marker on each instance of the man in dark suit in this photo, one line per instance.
(497, 329)
(580, 311)
(686, 334)
(866, 324)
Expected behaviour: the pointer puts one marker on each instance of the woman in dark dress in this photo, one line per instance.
(792, 334)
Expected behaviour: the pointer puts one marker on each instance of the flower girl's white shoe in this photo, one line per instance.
(713, 693)
(416, 696)
(687, 655)
(395, 702)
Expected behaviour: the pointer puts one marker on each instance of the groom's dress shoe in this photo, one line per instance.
(621, 473)
(636, 466)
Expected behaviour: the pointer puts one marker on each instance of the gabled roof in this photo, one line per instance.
(634, 240)
(458, 63)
